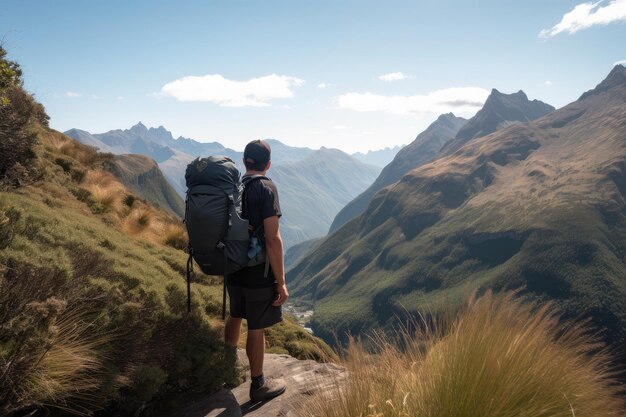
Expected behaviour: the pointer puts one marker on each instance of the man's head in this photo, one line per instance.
(257, 155)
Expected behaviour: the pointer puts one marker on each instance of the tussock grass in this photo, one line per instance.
(107, 197)
(500, 357)
(175, 236)
(76, 150)
(67, 372)
(100, 178)
(138, 220)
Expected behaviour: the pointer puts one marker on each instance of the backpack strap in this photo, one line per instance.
(244, 201)
(247, 181)
(225, 279)
(189, 272)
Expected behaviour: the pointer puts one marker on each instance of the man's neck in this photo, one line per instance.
(250, 173)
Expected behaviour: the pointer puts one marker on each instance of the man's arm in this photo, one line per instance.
(274, 251)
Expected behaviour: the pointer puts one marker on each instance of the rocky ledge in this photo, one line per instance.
(303, 378)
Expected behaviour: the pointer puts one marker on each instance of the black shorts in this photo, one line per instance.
(255, 305)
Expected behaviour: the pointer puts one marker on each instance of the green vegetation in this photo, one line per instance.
(289, 338)
(500, 356)
(130, 302)
(93, 315)
(17, 111)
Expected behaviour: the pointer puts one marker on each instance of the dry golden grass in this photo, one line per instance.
(175, 235)
(100, 178)
(68, 371)
(500, 357)
(108, 198)
(139, 220)
(69, 147)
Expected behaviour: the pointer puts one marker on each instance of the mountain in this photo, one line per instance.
(500, 110)
(313, 190)
(422, 150)
(282, 153)
(539, 206)
(142, 176)
(380, 157)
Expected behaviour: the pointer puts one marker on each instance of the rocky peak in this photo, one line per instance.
(138, 128)
(615, 79)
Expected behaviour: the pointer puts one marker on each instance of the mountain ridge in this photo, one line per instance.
(423, 148)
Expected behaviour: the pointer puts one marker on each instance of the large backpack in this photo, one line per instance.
(219, 236)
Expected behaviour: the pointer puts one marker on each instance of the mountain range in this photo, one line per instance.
(445, 135)
(313, 184)
(538, 207)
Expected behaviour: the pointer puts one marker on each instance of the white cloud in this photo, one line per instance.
(460, 101)
(71, 94)
(393, 76)
(622, 62)
(340, 127)
(323, 85)
(96, 97)
(121, 98)
(585, 15)
(548, 83)
(216, 89)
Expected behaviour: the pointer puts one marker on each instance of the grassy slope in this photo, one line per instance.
(71, 237)
(539, 205)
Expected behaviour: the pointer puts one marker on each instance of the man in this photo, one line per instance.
(254, 296)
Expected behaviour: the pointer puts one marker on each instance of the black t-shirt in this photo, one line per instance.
(260, 202)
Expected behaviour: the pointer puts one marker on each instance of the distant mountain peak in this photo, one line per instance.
(615, 79)
(497, 96)
(139, 127)
(446, 116)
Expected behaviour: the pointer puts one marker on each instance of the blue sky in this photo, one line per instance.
(304, 72)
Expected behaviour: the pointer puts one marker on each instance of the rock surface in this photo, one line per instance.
(303, 378)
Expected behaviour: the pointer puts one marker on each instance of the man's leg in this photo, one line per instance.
(255, 349)
(231, 331)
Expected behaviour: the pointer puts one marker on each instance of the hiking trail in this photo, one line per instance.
(303, 378)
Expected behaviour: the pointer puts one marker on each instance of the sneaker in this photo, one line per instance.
(270, 389)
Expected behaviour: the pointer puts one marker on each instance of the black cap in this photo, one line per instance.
(257, 152)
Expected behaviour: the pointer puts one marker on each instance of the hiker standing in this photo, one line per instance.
(257, 293)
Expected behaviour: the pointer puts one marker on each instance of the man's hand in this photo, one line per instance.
(283, 294)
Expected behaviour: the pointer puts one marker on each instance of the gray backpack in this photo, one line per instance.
(219, 237)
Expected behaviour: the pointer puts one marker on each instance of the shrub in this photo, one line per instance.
(78, 175)
(64, 163)
(499, 357)
(18, 111)
(129, 200)
(16, 139)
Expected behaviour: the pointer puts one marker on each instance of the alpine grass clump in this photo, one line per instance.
(176, 237)
(499, 357)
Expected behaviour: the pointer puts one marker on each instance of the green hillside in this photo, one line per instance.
(539, 206)
(92, 291)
